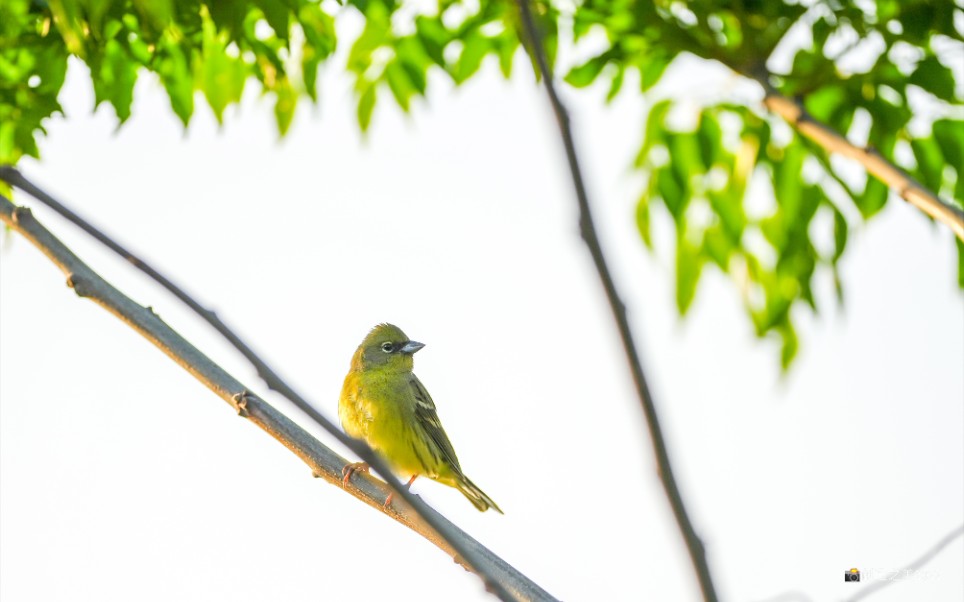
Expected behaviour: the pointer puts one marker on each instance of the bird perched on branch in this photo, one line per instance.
(384, 403)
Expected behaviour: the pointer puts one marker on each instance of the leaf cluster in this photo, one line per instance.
(902, 100)
(213, 46)
(878, 72)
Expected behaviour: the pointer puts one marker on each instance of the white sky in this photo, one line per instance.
(121, 477)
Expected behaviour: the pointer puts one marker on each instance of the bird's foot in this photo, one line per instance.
(351, 469)
(388, 500)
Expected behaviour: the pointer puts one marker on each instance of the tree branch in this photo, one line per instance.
(794, 113)
(324, 463)
(875, 586)
(894, 177)
(917, 564)
(270, 377)
(590, 237)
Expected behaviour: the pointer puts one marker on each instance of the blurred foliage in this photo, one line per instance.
(705, 175)
(700, 174)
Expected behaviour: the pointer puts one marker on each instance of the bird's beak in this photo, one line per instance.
(411, 347)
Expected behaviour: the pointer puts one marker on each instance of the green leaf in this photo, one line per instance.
(960, 262)
(96, 10)
(787, 178)
(674, 196)
(400, 85)
(684, 155)
(583, 20)
(822, 28)
(934, 77)
(873, 198)
(285, 105)
(825, 102)
(585, 74)
(652, 68)
(475, 46)
(949, 134)
(228, 15)
(157, 14)
(930, 162)
(549, 26)
(732, 29)
(779, 298)
(654, 129)
(275, 13)
(366, 104)
(175, 74)
(688, 267)
(221, 77)
(416, 76)
(377, 33)
(839, 234)
(310, 61)
(9, 151)
(791, 345)
(616, 84)
(434, 37)
(506, 45)
(710, 137)
(717, 246)
(116, 78)
(642, 213)
(838, 285)
(774, 231)
(728, 206)
(319, 29)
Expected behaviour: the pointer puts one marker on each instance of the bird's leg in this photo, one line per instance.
(351, 469)
(388, 500)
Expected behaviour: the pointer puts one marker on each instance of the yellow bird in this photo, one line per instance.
(384, 403)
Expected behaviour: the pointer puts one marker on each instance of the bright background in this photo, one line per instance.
(122, 478)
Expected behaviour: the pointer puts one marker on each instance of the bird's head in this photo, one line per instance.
(385, 347)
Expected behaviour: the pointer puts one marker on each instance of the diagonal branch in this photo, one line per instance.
(877, 585)
(499, 576)
(894, 177)
(910, 568)
(588, 231)
(270, 377)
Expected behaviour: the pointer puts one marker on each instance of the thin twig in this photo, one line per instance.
(442, 528)
(588, 231)
(926, 557)
(894, 177)
(878, 585)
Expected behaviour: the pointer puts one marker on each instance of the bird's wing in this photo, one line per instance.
(427, 419)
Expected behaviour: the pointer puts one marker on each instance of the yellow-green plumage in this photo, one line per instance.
(384, 403)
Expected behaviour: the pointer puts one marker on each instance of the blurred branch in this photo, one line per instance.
(894, 177)
(876, 586)
(499, 576)
(916, 565)
(589, 235)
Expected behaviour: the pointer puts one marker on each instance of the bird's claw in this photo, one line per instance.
(351, 469)
(407, 486)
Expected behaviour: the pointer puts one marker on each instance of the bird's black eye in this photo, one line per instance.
(388, 347)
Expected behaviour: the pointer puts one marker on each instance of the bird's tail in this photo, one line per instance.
(478, 497)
